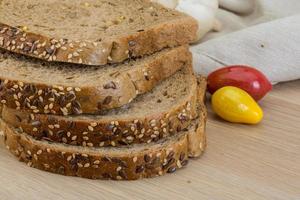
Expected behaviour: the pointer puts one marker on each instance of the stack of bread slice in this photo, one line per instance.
(100, 89)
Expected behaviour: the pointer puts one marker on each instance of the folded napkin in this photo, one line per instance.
(272, 47)
(261, 33)
(268, 39)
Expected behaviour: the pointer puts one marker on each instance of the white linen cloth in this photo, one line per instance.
(268, 39)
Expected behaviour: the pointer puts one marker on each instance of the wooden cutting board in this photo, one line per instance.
(241, 162)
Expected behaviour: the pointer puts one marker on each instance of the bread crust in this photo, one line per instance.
(125, 163)
(196, 139)
(112, 132)
(174, 33)
(66, 100)
(131, 163)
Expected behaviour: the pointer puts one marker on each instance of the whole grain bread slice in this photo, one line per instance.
(123, 163)
(42, 87)
(166, 110)
(91, 32)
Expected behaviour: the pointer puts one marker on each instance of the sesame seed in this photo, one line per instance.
(21, 84)
(3, 101)
(63, 48)
(79, 165)
(60, 88)
(75, 54)
(68, 105)
(32, 117)
(85, 138)
(39, 152)
(129, 138)
(69, 158)
(93, 124)
(153, 121)
(68, 134)
(132, 128)
(33, 107)
(34, 129)
(85, 155)
(101, 144)
(90, 128)
(48, 150)
(50, 132)
(119, 168)
(134, 159)
(113, 143)
(29, 152)
(85, 133)
(50, 106)
(77, 89)
(17, 103)
(90, 144)
(50, 126)
(74, 137)
(97, 162)
(56, 125)
(69, 89)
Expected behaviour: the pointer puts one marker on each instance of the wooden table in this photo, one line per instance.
(242, 162)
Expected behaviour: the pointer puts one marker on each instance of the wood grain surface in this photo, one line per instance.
(241, 163)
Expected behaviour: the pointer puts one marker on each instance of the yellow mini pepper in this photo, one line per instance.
(236, 105)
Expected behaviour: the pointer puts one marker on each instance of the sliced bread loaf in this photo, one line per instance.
(91, 32)
(126, 163)
(42, 87)
(166, 110)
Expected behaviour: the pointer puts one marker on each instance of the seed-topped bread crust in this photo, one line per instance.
(126, 163)
(45, 32)
(119, 128)
(40, 87)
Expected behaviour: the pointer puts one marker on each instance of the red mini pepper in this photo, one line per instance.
(247, 78)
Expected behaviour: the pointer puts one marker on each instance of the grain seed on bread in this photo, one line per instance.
(126, 163)
(64, 89)
(31, 28)
(142, 121)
